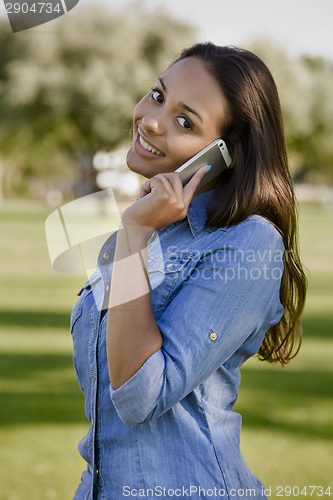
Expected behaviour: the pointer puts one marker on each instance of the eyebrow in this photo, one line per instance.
(184, 106)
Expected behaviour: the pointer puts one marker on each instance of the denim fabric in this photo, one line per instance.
(169, 431)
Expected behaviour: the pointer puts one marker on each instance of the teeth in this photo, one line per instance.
(147, 146)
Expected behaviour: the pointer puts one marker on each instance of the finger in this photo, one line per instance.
(193, 183)
(144, 190)
(166, 184)
(165, 179)
(154, 183)
(174, 179)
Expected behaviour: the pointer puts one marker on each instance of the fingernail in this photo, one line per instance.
(208, 169)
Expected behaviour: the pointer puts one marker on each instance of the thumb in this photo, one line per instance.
(193, 183)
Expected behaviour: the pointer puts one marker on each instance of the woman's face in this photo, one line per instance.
(182, 114)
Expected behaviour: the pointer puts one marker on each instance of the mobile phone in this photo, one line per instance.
(215, 154)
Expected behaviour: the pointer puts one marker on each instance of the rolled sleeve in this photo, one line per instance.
(231, 296)
(136, 398)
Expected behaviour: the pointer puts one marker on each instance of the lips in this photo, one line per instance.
(147, 148)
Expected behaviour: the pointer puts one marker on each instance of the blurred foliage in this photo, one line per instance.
(71, 91)
(305, 86)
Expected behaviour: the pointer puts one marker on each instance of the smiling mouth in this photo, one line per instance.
(150, 148)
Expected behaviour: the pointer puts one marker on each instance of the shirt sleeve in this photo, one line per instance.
(231, 295)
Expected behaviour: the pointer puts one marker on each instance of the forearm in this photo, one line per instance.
(132, 332)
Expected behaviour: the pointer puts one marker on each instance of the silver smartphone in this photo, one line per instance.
(215, 154)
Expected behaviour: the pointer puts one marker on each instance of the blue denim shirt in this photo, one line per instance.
(169, 431)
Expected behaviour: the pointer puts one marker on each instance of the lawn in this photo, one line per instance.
(287, 436)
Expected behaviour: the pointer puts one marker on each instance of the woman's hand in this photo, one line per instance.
(162, 200)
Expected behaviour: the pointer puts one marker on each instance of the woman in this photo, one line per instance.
(193, 283)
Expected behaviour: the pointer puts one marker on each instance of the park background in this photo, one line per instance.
(67, 92)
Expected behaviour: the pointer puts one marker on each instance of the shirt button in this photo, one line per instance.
(213, 336)
(169, 265)
(106, 256)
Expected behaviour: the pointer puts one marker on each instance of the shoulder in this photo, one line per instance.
(253, 232)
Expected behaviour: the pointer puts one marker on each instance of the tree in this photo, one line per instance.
(305, 87)
(71, 91)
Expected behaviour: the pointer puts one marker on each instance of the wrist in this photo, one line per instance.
(135, 235)
(134, 227)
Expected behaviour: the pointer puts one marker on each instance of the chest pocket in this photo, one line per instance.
(166, 275)
(83, 293)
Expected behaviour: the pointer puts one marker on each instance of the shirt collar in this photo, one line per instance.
(197, 211)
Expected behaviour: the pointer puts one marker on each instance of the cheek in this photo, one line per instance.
(187, 147)
(139, 110)
(136, 113)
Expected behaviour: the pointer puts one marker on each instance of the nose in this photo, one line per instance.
(152, 123)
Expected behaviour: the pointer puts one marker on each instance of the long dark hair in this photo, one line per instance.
(260, 182)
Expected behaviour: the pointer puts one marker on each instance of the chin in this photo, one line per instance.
(133, 165)
(139, 166)
(130, 163)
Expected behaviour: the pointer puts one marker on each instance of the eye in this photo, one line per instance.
(157, 96)
(184, 122)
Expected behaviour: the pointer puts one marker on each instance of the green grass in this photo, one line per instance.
(287, 436)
